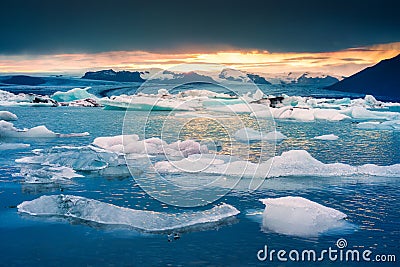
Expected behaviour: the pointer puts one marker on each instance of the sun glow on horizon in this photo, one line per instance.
(344, 62)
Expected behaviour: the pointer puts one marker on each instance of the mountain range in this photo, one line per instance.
(381, 80)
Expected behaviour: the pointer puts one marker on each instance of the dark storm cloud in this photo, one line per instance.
(179, 26)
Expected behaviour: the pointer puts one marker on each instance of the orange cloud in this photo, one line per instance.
(344, 62)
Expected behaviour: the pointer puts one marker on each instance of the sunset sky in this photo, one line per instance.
(341, 37)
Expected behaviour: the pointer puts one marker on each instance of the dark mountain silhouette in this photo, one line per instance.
(381, 80)
(111, 75)
(23, 80)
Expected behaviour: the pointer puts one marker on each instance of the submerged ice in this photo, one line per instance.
(85, 209)
(106, 156)
(300, 217)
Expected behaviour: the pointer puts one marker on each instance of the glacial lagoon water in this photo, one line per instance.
(370, 202)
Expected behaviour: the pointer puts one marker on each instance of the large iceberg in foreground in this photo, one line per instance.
(7, 129)
(85, 209)
(299, 216)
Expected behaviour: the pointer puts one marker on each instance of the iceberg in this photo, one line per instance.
(290, 163)
(7, 129)
(8, 116)
(10, 99)
(90, 210)
(87, 158)
(361, 113)
(87, 102)
(330, 137)
(301, 163)
(249, 134)
(47, 174)
(60, 163)
(375, 125)
(300, 217)
(130, 144)
(239, 108)
(72, 95)
(13, 146)
(146, 102)
(301, 114)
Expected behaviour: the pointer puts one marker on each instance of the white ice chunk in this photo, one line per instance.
(290, 163)
(329, 115)
(72, 95)
(8, 116)
(151, 102)
(7, 129)
(238, 108)
(130, 144)
(361, 113)
(86, 209)
(47, 174)
(301, 114)
(12, 146)
(86, 158)
(375, 125)
(249, 134)
(299, 216)
(330, 137)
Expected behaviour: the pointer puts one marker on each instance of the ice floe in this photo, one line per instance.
(13, 146)
(130, 144)
(10, 99)
(239, 108)
(57, 163)
(290, 163)
(300, 217)
(7, 129)
(361, 113)
(330, 137)
(301, 114)
(46, 174)
(85, 209)
(87, 102)
(163, 101)
(376, 125)
(249, 134)
(8, 116)
(72, 95)
(86, 158)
